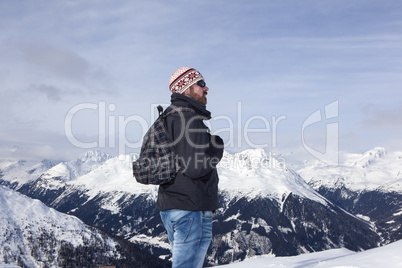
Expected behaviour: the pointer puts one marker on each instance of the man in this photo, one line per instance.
(186, 205)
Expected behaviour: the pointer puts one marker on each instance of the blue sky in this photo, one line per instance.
(270, 65)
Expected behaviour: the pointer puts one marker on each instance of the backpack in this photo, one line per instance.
(156, 163)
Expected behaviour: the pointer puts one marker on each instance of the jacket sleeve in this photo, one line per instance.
(198, 152)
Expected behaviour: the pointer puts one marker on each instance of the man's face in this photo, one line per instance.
(198, 93)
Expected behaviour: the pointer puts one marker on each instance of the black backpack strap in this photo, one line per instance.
(160, 109)
(168, 112)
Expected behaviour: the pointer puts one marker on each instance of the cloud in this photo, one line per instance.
(52, 93)
(28, 141)
(382, 118)
(53, 60)
(51, 71)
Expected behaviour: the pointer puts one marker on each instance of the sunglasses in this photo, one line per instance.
(201, 83)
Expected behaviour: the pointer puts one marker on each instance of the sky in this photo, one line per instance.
(311, 78)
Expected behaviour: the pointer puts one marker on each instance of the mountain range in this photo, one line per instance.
(267, 207)
(368, 185)
(34, 235)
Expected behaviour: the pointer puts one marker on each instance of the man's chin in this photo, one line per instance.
(201, 100)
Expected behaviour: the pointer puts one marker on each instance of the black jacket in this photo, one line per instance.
(196, 185)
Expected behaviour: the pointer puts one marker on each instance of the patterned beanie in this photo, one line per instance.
(183, 78)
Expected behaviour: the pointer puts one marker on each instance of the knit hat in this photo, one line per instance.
(183, 78)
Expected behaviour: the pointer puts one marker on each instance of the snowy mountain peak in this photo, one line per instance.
(68, 171)
(255, 172)
(248, 162)
(23, 171)
(367, 158)
(114, 175)
(374, 169)
(49, 163)
(250, 174)
(94, 156)
(376, 152)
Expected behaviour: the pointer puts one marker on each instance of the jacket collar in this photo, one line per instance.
(181, 100)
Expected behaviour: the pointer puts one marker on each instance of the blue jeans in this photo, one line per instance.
(190, 234)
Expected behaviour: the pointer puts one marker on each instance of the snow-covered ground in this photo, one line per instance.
(388, 256)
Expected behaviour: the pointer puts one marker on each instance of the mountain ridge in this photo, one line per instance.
(267, 208)
(34, 235)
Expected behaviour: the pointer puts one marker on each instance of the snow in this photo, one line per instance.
(98, 173)
(373, 170)
(398, 213)
(262, 177)
(22, 171)
(115, 175)
(23, 219)
(23, 211)
(87, 162)
(248, 174)
(386, 256)
(254, 173)
(143, 239)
